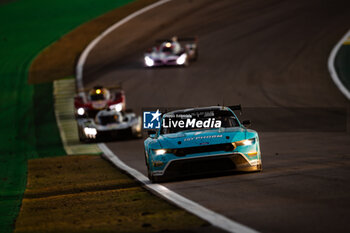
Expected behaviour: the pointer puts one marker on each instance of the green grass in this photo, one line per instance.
(27, 122)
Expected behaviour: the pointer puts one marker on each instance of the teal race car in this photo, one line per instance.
(201, 141)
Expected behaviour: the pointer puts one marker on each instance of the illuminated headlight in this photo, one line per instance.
(246, 142)
(182, 59)
(90, 131)
(118, 107)
(81, 111)
(148, 61)
(160, 152)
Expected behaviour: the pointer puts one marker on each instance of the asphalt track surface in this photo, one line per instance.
(260, 54)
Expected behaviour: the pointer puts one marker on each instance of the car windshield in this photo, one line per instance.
(110, 119)
(167, 49)
(96, 97)
(198, 120)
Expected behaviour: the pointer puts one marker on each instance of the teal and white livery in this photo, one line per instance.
(201, 141)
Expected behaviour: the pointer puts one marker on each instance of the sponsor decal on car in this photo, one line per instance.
(203, 137)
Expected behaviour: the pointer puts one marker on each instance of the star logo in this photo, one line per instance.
(151, 119)
(156, 115)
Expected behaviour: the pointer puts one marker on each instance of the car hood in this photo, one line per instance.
(203, 137)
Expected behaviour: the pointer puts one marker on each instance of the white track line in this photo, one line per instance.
(331, 68)
(214, 218)
(82, 58)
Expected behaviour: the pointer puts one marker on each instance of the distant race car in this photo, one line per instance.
(98, 98)
(109, 124)
(173, 52)
(214, 140)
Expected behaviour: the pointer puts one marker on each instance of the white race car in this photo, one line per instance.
(109, 124)
(174, 52)
(89, 102)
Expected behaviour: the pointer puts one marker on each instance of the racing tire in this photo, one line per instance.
(259, 167)
(150, 177)
(155, 179)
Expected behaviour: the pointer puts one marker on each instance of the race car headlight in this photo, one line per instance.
(246, 142)
(117, 107)
(81, 111)
(159, 152)
(182, 59)
(90, 131)
(149, 61)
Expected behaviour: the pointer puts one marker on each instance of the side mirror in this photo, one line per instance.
(247, 123)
